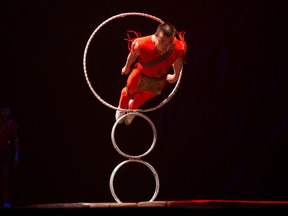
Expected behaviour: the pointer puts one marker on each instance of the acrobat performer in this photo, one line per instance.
(155, 54)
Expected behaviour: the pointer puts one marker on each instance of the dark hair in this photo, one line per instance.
(167, 28)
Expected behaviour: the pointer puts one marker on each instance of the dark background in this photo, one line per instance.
(223, 135)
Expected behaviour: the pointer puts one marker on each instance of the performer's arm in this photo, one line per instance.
(131, 58)
(177, 66)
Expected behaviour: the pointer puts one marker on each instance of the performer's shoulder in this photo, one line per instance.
(143, 39)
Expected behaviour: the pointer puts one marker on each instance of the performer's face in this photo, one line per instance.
(162, 43)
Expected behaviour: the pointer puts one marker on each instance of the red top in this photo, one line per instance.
(151, 62)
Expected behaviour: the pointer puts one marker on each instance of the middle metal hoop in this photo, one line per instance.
(134, 156)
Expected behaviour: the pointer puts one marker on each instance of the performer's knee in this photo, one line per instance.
(124, 92)
(129, 93)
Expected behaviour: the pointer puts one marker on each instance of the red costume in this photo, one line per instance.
(148, 77)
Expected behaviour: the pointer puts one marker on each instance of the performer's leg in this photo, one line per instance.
(124, 99)
(5, 186)
(5, 175)
(128, 93)
(141, 98)
(123, 104)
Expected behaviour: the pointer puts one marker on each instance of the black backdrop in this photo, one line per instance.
(223, 135)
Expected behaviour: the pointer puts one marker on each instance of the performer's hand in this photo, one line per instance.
(171, 78)
(125, 70)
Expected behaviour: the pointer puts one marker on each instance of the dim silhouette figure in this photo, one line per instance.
(9, 152)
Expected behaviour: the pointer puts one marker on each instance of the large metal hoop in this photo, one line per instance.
(122, 15)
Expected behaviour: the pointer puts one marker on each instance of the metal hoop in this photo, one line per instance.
(122, 15)
(138, 161)
(134, 156)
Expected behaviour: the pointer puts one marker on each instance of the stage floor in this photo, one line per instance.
(185, 204)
